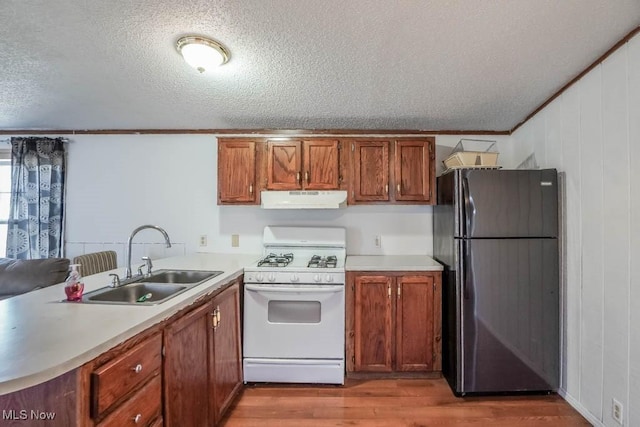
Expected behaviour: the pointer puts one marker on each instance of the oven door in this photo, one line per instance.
(294, 321)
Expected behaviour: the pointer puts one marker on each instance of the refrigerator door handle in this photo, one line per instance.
(463, 268)
(466, 208)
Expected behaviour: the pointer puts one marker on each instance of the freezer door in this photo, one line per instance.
(507, 203)
(509, 316)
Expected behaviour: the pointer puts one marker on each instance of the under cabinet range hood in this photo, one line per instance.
(303, 199)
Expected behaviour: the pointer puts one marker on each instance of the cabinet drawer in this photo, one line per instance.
(115, 379)
(140, 409)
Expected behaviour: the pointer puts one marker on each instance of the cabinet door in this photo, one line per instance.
(186, 385)
(321, 167)
(413, 170)
(415, 323)
(370, 171)
(236, 172)
(226, 357)
(373, 323)
(284, 165)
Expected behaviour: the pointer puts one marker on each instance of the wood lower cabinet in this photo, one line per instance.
(183, 371)
(126, 387)
(226, 363)
(202, 362)
(186, 361)
(393, 322)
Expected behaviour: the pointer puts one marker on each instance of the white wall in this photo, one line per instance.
(592, 133)
(118, 182)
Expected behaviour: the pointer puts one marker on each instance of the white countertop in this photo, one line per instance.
(42, 337)
(391, 263)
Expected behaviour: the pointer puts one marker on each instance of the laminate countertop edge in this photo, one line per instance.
(43, 337)
(391, 263)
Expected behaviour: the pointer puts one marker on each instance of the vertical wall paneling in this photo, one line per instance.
(599, 118)
(616, 226)
(571, 149)
(591, 140)
(633, 118)
(552, 138)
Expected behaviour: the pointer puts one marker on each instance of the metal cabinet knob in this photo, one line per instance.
(137, 418)
(137, 369)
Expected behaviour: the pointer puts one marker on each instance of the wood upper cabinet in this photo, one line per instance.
(414, 172)
(370, 171)
(203, 363)
(237, 172)
(321, 164)
(311, 164)
(398, 171)
(284, 164)
(394, 322)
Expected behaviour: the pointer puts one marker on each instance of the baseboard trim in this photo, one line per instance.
(581, 409)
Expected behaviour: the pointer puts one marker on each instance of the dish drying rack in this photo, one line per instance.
(473, 153)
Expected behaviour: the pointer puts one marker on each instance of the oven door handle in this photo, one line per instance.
(307, 289)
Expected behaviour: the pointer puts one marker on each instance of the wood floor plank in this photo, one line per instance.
(390, 402)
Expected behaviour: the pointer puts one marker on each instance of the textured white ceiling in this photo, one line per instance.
(301, 64)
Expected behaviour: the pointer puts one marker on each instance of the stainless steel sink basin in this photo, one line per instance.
(158, 288)
(134, 293)
(180, 276)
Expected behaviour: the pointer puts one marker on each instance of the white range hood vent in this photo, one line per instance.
(303, 199)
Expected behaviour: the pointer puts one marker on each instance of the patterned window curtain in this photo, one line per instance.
(36, 220)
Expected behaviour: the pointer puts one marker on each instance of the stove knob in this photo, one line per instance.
(295, 278)
(272, 277)
(317, 278)
(329, 278)
(259, 277)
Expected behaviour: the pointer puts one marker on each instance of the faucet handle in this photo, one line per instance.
(149, 264)
(115, 282)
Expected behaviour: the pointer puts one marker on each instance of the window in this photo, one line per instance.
(5, 197)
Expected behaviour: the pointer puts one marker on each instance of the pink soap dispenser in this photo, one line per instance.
(74, 286)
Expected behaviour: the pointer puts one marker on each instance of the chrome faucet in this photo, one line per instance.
(133, 233)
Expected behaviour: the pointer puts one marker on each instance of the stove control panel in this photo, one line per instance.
(290, 277)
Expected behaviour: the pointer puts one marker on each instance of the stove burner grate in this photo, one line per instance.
(273, 260)
(323, 262)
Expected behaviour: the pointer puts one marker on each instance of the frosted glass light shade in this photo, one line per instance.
(201, 53)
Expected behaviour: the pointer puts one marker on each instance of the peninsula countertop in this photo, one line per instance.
(42, 337)
(391, 263)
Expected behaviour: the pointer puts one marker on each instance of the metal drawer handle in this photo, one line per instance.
(137, 369)
(137, 418)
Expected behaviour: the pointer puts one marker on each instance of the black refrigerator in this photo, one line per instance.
(496, 233)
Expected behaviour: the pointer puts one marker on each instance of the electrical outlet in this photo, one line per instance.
(378, 241)
(203, 240)
(235, 240)
(617, 411)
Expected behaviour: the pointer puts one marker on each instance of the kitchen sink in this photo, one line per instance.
(135, 293)
(180, 276)
(154, 289)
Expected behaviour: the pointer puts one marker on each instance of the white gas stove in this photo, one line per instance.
(294, 307)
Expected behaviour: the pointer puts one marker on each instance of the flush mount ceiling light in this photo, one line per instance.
(201, 53)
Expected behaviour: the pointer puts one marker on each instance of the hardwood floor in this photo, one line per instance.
(398, 402)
